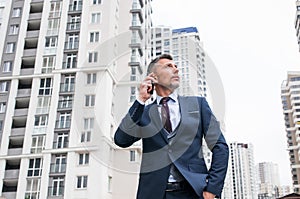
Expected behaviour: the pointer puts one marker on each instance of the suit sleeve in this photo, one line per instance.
(219, 148)
(128, 131)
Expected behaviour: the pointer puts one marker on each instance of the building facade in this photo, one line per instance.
(290, 96)
(268, 180)
(240, 181)
(64, 66)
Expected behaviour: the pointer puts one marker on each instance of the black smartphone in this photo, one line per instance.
(152, 89)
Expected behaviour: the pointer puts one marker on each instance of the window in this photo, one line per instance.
(7, 66)
(55, 9)
(37, 144)
(81, 182)
(133, 74)
(10, 47)
(95, 2)
(84, 158)
(16, 12)
(33, 188)
(109, 188)
(60, 164)
(3, 86)
(51, 42)
(35, 167)
(45, 86)
(71, 61)
(95, 18)
(43, 105)
(48, 64)
(2, 107)
(41, 120)
(14, 29)
(88, 126)
(57, 188)
(94, 37)
(132, 156)
(53, 26)
(62, 141)
(93, 57)
(89, 100)
(91, 78)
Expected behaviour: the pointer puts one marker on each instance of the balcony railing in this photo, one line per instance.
(58, 168)
(67, 87)
(63, 124)
(71, 45)
(74, 8)
(60, 145)
(67, 65)
(65, 104)
(56, 191)
(73, 26)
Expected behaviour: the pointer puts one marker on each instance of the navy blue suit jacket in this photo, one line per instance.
(184, 150)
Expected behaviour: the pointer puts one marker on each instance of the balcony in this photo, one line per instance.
(72, 45)
(24, 92)
(73, 26)
(35, 16)
(21, 112)
(58, 168)
(11, 174)
(32, 34)
(65, 104)
(30, 52)
(17, 131)
(67, 65)
(63, 124)
(27, 71)
(67, 88)
(56, 192)
(60, 145)
(75, 8)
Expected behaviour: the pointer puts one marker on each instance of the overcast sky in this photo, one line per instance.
(253, 44)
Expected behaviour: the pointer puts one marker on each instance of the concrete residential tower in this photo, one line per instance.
(64, 64)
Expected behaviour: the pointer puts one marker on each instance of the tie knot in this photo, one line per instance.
(164, 100)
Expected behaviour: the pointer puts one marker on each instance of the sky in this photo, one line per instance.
(253, 45)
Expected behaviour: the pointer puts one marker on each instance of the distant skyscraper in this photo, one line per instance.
(297, 22)
(64, 66)
(290, 96)
(268, 181)
(240, 180)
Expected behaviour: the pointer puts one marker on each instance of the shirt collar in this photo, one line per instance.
(173, 96)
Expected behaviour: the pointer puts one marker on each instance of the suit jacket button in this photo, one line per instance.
(170, 150)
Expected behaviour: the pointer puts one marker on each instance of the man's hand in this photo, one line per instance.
(146, 87)
(208, 195)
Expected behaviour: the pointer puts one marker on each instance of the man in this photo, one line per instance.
(171, 129)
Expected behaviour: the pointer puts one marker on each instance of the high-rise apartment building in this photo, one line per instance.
(290, 96)
(268, 180)
(63, 66)
(240, 180)
(185, 46)
(297, 22)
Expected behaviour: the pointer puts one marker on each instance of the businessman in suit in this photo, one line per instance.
(172, 129)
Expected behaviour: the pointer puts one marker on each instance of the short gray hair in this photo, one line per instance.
(154, 61)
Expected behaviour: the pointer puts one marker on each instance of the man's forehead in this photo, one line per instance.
(165, 61)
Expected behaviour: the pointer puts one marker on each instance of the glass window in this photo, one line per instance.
(94, 37)
(84, 158)
(14, 29)
(3, 86)
(89, 100)
(95, 2)
(2, 107)
(33, 188)
(48, 64)
(93, 57)
(10, 47)
(7, 66)
(45, 86)
(35, 167)
(81, 182)
(37, 144)
(95, 18)
(16, 12)
(91, 78)
(51, 42)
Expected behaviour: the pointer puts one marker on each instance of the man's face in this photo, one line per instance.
(166, 73)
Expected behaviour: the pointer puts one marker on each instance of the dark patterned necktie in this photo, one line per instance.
(165, 114)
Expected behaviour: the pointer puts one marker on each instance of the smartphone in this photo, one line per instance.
(152, 89)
